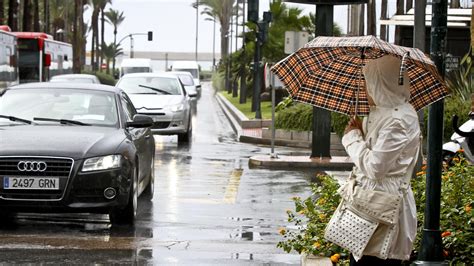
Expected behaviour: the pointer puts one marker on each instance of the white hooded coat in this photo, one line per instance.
(387, 150)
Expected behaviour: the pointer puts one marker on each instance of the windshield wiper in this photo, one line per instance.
(62, 121)
(16, 119)
(154, 89)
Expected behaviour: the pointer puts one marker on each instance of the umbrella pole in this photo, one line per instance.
(362, 57)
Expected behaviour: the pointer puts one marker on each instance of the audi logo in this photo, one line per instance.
(32, 166)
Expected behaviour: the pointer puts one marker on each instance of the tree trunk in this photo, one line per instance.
(383, 15)
(36, 19)
(46, 16)
(13, 15)
(95, 39)
(2, 13)
(27, 23)
(102, 33)
(82, 27)
(76, 62)
(371, 18)
(400, 9)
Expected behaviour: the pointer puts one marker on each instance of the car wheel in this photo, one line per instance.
(186, 137)
(150, 188)
(127, 215)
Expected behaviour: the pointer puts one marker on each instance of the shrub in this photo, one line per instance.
(104, 78)
(452, 106)
(309, 221)
(457, 218)
(311, 215)
(218, 81)
(296, 117)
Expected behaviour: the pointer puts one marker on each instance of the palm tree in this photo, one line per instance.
(114, 18)
(95, 32)
(371, 20)
(36, 19)
(27, 23)
(222, 10)
(2, 13)
(103, 4)
(110, 52)
(13, 15)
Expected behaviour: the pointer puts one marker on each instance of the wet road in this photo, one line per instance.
(209, 209)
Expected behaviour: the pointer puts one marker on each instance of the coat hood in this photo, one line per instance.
(381, 79)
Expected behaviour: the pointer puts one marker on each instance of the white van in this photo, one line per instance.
(135, 65)
(188, 66)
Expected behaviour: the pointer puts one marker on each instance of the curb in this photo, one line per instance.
(336, 163)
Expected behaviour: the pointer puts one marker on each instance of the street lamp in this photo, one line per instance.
(196, 5)
(149, 34)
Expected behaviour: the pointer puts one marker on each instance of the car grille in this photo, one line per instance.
(159, 125)
(56, 167)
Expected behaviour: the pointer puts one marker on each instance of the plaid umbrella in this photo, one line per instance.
(326, 73)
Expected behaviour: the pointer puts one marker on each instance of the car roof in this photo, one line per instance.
(69, 85)
(150, 74)
(74, 76)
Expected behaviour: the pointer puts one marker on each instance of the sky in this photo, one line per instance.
(173, 23)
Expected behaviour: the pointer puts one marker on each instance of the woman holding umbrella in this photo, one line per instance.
(384, 148)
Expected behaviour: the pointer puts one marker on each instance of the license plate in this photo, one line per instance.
(31, 183)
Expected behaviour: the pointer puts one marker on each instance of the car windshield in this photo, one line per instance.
(43, 106)
(186, 80)
(150, 85)
(193, 71)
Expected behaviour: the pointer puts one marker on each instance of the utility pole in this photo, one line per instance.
(431, 244)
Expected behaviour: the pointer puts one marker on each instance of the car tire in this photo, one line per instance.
(127, 214)
(186, 137)
(149, 191)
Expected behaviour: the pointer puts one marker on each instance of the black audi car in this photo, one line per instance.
(73, 148)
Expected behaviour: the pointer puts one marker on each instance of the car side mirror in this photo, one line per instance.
(140, 121)
(198, 86)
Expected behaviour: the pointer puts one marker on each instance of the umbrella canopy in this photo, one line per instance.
(326, 73)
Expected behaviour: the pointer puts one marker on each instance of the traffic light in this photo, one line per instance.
(252, 11)
(150, 36)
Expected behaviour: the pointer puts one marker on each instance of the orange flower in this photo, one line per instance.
(420, 173)
(445, 234)
(460, 151)
(445, 253)
(335, 258)
(424, 167)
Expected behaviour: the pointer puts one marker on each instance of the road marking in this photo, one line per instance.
(232, 187)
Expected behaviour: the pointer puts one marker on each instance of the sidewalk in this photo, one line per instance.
(250, 131)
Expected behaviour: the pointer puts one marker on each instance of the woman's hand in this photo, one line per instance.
(354, 123)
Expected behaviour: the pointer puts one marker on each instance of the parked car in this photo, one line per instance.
(76, 78)
(73, 148)
(135, 65)
(162, 97)
(186, 78)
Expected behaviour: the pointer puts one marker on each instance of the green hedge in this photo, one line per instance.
(300, 117)
(104, 78)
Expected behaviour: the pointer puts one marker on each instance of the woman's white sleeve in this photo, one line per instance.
(376, 161)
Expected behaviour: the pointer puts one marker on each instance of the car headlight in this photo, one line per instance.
(177, 107)
(102, 163)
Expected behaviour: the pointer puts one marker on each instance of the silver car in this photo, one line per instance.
(162, 97)
(194, 90)
(76, 78)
